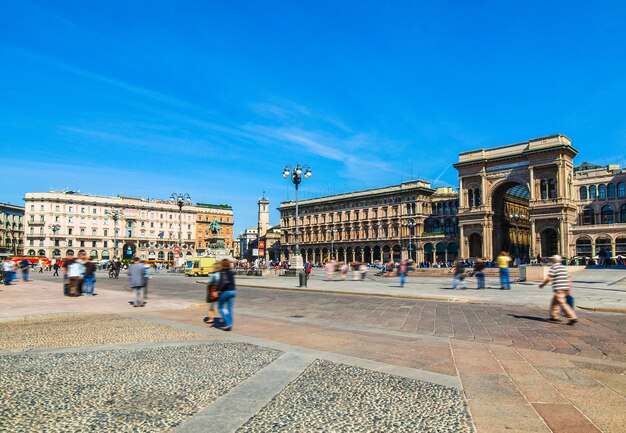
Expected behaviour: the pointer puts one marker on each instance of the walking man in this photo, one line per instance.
(137, 281)
(503, 261)
(459, 275)
(25, 267)
(562, 286)
(479, 267)
(402, 273)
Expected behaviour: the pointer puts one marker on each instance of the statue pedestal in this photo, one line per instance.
(296, 262)
(296, 266)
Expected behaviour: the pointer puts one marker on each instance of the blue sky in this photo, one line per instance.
(214, 98)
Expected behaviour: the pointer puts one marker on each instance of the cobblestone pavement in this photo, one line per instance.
(147, 390)
(330, 397)
(85, 330)
(597, 335)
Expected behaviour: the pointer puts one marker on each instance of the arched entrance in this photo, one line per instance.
(397, 253)
(428, 252)
(367, 254)
(386, 253)
(511, 219)
(440, 252)
(583, 247)
(549, 242)
(475, 245)
(358, 254)
(453, 251)
(128, 250)
(377, 254)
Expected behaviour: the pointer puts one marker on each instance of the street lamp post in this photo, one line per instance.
(115, 214)
(180, 199)
(296, 178)
(410, 223)
(516, 217)
(55, 228)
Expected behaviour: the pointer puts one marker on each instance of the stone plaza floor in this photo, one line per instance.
(302, 361)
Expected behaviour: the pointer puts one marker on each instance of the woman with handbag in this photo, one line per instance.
(212, 292)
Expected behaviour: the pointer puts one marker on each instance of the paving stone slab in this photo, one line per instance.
(86, 330)
(331, 397)
(146, 390)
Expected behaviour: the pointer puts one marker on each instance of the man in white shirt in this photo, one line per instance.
(75, 272)
(562, 286)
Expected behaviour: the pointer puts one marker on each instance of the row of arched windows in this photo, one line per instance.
(602, 191)
(607, 215)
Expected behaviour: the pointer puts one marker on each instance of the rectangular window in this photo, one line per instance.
(106, 243)
(94, 211)
(32, 207)
(41, 208)
(82, 210)
(57, 208)
(93, 244)
(70, 209)
(82, 243)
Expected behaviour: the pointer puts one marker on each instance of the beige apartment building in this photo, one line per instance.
(395, 222)
(59, 223)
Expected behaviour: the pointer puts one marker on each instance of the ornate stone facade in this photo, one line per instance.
(529, 199)
(410, 219)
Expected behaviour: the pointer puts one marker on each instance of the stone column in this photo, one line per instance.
(462, 200)
(371, 254)
(531, 182)
(463, 253)
(613, 247)
(593, 247)
(533, 243)
(353, 255)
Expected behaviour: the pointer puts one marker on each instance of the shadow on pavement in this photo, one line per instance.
(535, 318)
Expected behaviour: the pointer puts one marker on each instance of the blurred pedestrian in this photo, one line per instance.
(562, 287)
(459, 275)
(89, 278)
(25, 267)
(8, 267)
(75, 272)
(213, 292)
(227, 295)
(504, 260)
(402, 272)
(137, 280)
(479, 267)
(56, 269)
